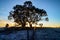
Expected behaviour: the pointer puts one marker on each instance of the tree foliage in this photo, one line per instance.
(27, 13)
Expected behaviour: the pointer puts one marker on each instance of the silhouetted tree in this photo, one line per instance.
(27, 13)
(7, 25)
(41, 24)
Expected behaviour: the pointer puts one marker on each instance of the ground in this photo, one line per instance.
(17, 33)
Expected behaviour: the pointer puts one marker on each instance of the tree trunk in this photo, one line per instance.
(23, 24)
(30, 24)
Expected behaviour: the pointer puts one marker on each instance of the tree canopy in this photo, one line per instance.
(27, 13)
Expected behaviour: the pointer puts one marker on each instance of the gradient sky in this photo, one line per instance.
(52, 8)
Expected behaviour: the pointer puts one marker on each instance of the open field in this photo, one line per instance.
(18, 33)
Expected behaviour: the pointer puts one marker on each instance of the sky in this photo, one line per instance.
(52, 8)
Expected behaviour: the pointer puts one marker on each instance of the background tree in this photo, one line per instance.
(27, 13)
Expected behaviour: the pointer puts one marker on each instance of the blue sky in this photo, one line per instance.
(52, 8)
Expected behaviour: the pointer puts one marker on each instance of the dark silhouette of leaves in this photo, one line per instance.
(27, 13)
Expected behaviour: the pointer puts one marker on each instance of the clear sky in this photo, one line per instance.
(52, 8)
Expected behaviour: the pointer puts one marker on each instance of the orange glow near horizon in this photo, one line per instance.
(3, 23)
